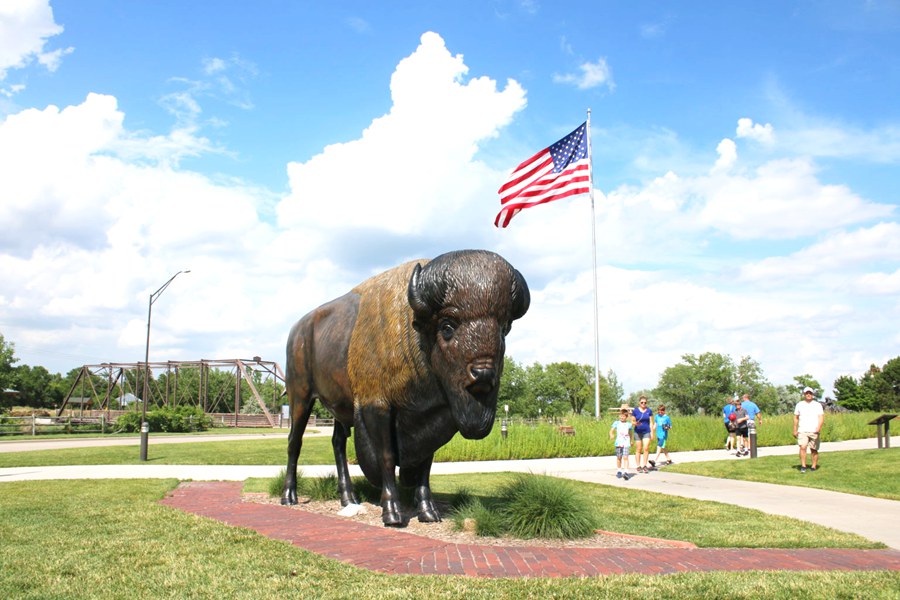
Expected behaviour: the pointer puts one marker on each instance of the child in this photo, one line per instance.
(663, 425)
(731, 425)
(621, 432)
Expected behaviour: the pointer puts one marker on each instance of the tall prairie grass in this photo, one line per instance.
(695, 432)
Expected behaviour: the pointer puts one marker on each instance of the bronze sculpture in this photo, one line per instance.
(407, 358)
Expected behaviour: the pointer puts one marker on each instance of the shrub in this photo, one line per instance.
(461, 497)
(488, 522)
(168, 420)
(528, 506)
(276, 484)
(544, 507)
(318, 488)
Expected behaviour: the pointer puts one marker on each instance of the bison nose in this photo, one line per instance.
(482, 376)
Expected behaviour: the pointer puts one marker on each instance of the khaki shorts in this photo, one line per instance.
(810, 440)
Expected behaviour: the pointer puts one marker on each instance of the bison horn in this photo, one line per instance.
(520, 295)
(421, 310)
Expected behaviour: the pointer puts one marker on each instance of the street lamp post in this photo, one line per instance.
(145, 427)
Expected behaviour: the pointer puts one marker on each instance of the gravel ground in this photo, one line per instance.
(444, 531)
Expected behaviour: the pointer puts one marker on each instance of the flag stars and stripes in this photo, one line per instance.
(571, 148)
(559, 171)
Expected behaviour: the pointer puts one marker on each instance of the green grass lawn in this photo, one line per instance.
(316, 451)
(867, 472)
(24, 437)
(110, 539)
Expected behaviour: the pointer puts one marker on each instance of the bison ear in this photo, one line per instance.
(520, 295)
(421, 310)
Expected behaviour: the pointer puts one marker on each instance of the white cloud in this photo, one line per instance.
(828, 262)
(781, 199)
(880, 283)
(727, 151)
(414, 168)
(591, 75)
(746, 128)
(25, 28)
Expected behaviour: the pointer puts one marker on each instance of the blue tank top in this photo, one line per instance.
(643, 420)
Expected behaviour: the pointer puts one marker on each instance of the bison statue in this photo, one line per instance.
(407, 358)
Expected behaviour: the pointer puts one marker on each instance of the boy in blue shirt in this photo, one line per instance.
(663, 425)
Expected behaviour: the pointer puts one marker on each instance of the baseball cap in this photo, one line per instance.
(809, 389)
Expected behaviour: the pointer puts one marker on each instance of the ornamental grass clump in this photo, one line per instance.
(318, 488)
(276, 484)
(487, 522)
(533, 506)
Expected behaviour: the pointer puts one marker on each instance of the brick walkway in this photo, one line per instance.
(400, 552)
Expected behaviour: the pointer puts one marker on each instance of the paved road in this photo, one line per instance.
(27, 445)
(872, 518)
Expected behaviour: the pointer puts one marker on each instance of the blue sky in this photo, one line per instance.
(745, 158)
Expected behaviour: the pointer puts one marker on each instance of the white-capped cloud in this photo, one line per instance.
(590, 75)
(746, 128)
(413, 168)
(25, 28)
(727, 151)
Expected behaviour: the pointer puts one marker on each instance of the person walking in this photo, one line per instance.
(621, 433)
(742, 420)
(752, 409)
(730, 427)
(642, 417)
(663, 425)
(809, 416)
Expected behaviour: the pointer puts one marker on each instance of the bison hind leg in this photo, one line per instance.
(339, 444)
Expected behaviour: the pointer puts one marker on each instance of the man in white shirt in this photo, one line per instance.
(809, 416)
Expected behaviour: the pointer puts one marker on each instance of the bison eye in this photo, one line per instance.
(447, 328)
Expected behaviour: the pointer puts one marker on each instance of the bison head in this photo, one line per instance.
(463, 306)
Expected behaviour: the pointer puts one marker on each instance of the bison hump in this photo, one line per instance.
(385, 361)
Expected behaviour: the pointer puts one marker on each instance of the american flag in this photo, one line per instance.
(556, 172)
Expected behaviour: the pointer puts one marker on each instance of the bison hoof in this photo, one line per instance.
(390, 514)
(348, 498)
(289, 497)
(428, 513)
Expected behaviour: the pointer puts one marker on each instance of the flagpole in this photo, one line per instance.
(594, 257)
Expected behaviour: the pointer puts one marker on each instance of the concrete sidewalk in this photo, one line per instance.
(872, 518)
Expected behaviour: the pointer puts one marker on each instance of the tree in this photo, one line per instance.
(38, 387)
(612, 393)
(513, 389)
(574, 382)
(849, 394)
(652, 400)
(806, 380)
(544, 393)
(698, 383)
(7, 360)
(889, 398)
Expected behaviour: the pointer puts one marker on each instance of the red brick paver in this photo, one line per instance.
(400, 552)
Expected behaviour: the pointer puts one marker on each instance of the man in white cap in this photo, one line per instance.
(808, 420)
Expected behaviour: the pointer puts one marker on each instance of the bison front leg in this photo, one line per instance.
(300, 416)
(339, 444)
(419, 476)
(375, 423)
